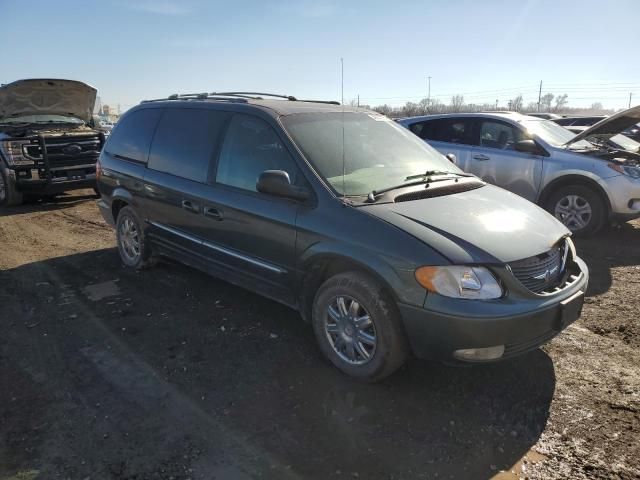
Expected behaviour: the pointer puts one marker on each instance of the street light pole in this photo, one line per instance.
(428, 93)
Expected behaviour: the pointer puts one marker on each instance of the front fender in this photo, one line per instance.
(396, 274)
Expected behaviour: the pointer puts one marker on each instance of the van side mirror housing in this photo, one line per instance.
(528, 146)
(278, 184)
(451, 157)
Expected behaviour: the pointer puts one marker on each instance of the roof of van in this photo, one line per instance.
(280, 107)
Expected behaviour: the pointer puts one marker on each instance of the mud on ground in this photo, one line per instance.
(167, 373)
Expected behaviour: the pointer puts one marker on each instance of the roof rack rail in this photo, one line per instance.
(235, 97)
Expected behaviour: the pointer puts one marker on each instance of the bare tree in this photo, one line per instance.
(516, 104)
(457, 102)
(596, 106)
(561, 101)
(545, 102)
(385, 110)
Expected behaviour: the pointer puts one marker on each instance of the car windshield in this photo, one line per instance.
(626, 143)
(377, 152)
(554, 134)
(41, 119)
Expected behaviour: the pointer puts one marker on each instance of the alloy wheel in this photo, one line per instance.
(129, 238)
(350, 330)
(574, 212)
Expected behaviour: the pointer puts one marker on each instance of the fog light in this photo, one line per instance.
(634, 204)
(479, 354)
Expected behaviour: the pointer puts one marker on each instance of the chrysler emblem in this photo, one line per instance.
(546, 276)
(72, 149)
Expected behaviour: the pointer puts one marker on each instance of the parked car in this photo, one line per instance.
(583, 121)
(582, 184)
(632, 131)
(546, 116)
(46, 146)
(378, 240)
(619, 141)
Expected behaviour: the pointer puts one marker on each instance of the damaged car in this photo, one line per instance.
(46, 144)
(582, 184)
(379, 241)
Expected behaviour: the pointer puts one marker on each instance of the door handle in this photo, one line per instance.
(214, 213)
(481, 157)
(190, 206)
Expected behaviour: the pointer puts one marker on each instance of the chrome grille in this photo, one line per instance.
(542, 272)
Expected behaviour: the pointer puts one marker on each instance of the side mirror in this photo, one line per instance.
(278, 183)
(452, 158)
(527, 146)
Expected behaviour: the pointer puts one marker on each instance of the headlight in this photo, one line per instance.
(629, 171)
(14, 153)
(460, 282)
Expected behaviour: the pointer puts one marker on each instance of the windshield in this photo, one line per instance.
(41, 119)
(378, 153)
(626, 143)
(553, 134)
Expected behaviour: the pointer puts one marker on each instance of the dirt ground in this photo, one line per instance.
(170, 374)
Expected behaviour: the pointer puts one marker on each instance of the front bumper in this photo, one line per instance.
(519, 322)
(624, 196)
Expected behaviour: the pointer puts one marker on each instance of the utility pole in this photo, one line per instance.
(630, 95)
(428, 93)
(342, 79)
(496, 104)
(539, 95)
(358, 99)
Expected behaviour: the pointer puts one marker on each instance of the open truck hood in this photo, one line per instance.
(43, 96)
(610, 126)
(484, 225)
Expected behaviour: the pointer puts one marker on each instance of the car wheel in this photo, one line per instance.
(9, 196)
(130, 238)
(579, 208)
(358, 328)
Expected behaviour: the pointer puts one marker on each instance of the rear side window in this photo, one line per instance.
(185, 142)
(250, 147)
(451, 130)
(131, 138)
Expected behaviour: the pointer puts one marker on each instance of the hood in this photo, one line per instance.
(610, 126)
(485, 225)
(47, 97)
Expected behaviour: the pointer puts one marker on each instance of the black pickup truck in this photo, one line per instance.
(46, 144)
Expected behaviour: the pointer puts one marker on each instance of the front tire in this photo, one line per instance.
(579, 208)
(358, 327)
(9, 196)
(132, 245)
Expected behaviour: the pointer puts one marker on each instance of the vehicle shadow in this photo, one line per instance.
(612, 247)
(62, 201)
(170, 354)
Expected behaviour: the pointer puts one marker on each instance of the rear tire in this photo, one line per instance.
(132, 244)
(9, 196)
(579, 208)
(361, 334)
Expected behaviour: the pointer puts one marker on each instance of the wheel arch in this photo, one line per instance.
(120, 198)
(574, 179)
(322, 266)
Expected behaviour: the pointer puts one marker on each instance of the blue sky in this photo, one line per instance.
(486, 50)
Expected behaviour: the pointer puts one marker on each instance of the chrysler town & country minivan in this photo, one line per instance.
(379, 241)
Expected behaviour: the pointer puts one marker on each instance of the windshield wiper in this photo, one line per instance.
(425, 179)
(431, 173)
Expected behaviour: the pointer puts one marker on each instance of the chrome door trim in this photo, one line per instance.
(231, 253)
